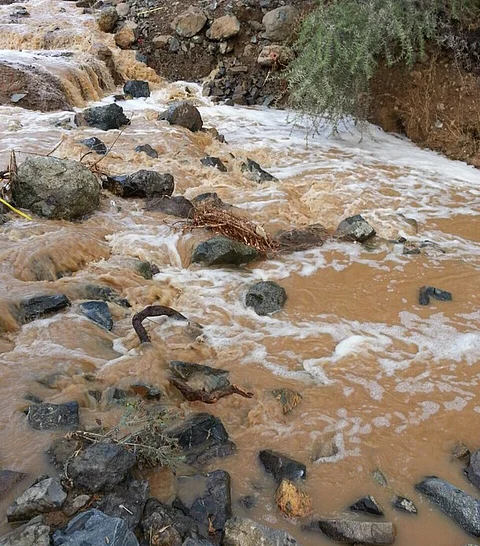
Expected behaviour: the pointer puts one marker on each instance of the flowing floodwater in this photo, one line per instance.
(392, 384)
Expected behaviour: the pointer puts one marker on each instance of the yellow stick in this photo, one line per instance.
(14, 209)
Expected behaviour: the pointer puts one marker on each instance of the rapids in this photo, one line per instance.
(391, 383)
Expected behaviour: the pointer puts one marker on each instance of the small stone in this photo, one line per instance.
(161, 41)
(53, 416)
(368, 505)
(275, 55)
(149, 392)
(405, 505)
(221, 250)
(45, 496)
(148, 150)
(176, 206)
(183, 114)
(254, 172)
(224, 28)
(293, 502)
(215, 162)
(98, 312)
(190, 22)
(123, 9)
(326, 448)
(248, 501)
(266, 297)
(71, 507)
(460, 452)
(96, 145)
(279, 23)
(288, 398)
(127, 35)
(427, 292)
(354, 531)
(355, 228)
(107, 19)
(136, 89)
(281, 466)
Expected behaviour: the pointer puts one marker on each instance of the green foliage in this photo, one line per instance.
(341, 42)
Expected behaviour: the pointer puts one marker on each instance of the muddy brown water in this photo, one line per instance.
(391, 383)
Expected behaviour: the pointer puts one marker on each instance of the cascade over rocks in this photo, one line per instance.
(266, 297)
(47, 416)
(42, 497)
(143, 183)
(220, 250)
(60, 189)
(136, 89)
(183, 114)
(106, 117)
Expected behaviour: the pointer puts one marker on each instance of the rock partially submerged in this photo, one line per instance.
(254, 172)
(404, 505)
(288, 398)
(106, 117)
(220, 250)
(183, 114)
(266, 297)
(281, 466)
(98, 312)
(296, 240)
(95, 528)
(136, 89)
(40, 306)
(56, 188)
(353, 531)
(462, 508)
(148, 150)
(427, 292)
(292, 501)
(33, 533)
(367, 504)
(8, 480)
(214, 162)
(245, 532)
(204, 383)
(45, 496)
(355, 228)
(47, 416)
(175, 206)
(143, 183)
(96, 145)
(100, 467)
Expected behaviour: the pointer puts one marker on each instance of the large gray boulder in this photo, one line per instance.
(42, 497)
(245, 532)
(33, 533)
(279, 23)
(56, 188)
(95, 528)
(462, 508)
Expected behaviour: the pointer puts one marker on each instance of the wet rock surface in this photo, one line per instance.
(246, 532)
(354, 531)
(368, 505)
(281, 466)
(473, 468)
(98, 312)
(221, 250)
(45, 496)
(105, 118)
(175, 206)
(404, 505)
(94, 528)
(47, 416)
(183, 114)
(355, 228)
(39, 306)
(96, 145)
(136, 89)
(254, 172)
(208, 499)
(461, 507)
(427, 292)
(202, 437)
(143, 183)
(148, 150)
(214, 162)
(292, 501)
(33, 533)
(288, 398)
(266, 297)
(56, 188)
(302, 239)
(100, 467)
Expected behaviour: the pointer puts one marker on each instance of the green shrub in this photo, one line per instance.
(341, 42)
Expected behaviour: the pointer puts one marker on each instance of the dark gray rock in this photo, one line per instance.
(37, 307)
(105, 293)
(61, 450)
(202, 437)
(47, 416)
(8, 480)
(405, 505)
(175, 206)
(136, 89)
(355, 228)
(45, 496)
(142, 183)
(246, 532)
(282, 467)
(266, 297)
(33, 533)
(302, 239)
(368, 505)
(211, 199)
(221, 250)
(100, 467)
(167, 525)
(353, 531)
(427, 292)
(127, 501)
(60, 189)
(215, 162)
(196, 542)
(105, 118)
(148, 150)
(94, 528)
(462, 508)
(254, 172)
(183, 114)
(96, 145)
(98, 312)
(207, 498)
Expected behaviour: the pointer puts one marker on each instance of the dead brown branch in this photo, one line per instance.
(152, 311)
(225, 222)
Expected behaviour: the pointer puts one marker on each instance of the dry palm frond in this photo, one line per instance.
(224, 222)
